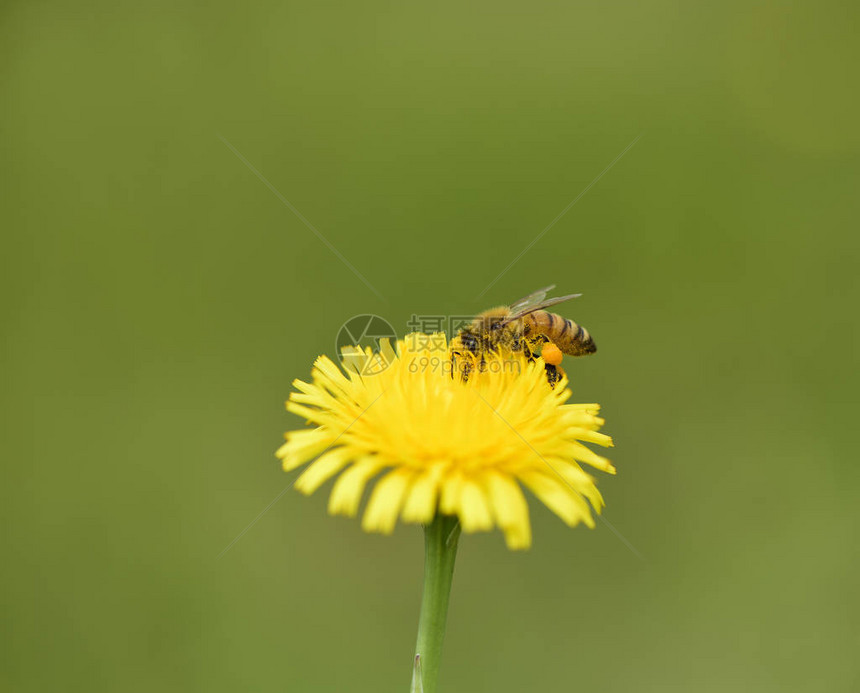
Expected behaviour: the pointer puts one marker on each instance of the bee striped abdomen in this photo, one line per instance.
(567, 325)
(572, 338)
(581, 343)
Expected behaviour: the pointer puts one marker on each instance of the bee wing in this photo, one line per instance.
(532, 299)
(531, 308)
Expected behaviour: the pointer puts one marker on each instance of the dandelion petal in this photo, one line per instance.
(349, 487)
(385, 501)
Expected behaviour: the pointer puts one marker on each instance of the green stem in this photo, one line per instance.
(440, 550)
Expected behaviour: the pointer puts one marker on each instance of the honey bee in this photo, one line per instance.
(525, 326)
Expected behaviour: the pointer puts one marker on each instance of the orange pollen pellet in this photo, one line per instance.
(551, 354)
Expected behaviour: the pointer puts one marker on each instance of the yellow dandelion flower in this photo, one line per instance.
(442, 444)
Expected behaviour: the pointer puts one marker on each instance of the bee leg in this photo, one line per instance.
(552, 374)
(460, 366)
(465, 369)
(472, 347)
(455, 359)
(526, 351)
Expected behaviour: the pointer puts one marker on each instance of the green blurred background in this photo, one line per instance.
(158, 299)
